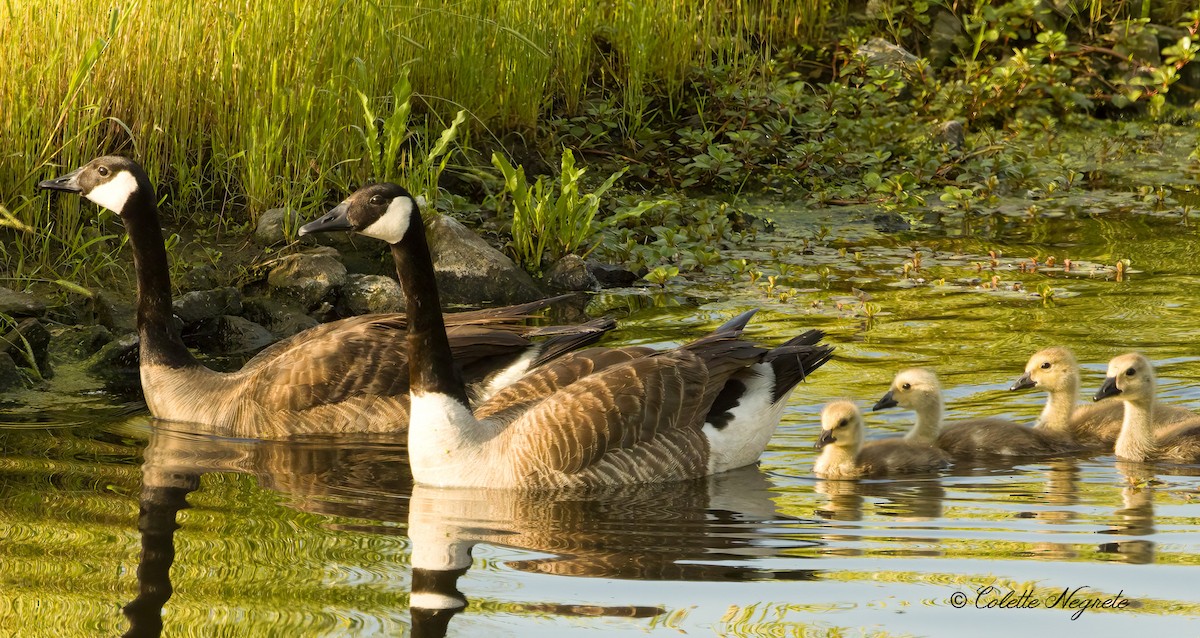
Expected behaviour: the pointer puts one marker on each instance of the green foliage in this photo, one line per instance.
(549, 223)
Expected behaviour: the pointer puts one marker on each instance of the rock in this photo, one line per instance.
(236, 335)
(880, 52)
(952, 134)
(76, 343)
(612, 276)
(10, 373)
(20, 304)
(282, 319)
(117, 361)
(307, 278)
(201, 277)
(364, 294)
(29, 337)
(569, 274)
(945, 36)
(469, 271)
(274, 226)
(113, 312)
(195, 307)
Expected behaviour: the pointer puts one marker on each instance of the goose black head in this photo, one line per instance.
(383, 211)
(110, 181)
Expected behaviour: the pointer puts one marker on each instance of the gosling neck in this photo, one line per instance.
(1136, 441)
(837, 460)
(430, 363)
(929, 422)
(160, 341)
(1060, 405)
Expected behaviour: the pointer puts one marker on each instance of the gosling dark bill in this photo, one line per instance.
(1026, 381)
(888, 401)
(1107, 389)
(826, 438)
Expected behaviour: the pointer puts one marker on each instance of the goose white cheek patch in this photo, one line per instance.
(392, 225)
(114, 193)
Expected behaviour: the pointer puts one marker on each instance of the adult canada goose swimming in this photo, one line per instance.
(918, 389)
(593, 417)
(1131, 379)
(844, 454)
(344, 376)
(1094, 426)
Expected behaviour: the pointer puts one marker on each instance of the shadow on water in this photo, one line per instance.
(692, 531)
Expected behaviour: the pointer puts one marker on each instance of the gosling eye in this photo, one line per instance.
(377, 200)
(1046, 365)
(103, 170)
(906, 386)
(1130, 372)
(843, 423)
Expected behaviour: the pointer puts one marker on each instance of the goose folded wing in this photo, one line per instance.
(644, 402)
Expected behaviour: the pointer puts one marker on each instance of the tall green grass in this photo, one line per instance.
(235, 107)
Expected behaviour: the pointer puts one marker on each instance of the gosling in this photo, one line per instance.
(918, 389)
(844, 455)
(1131, 378)
(1092, 427)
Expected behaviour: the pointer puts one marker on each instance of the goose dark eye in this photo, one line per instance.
(377, 200)
(845, 421)
(103, 170)
(1046, 366)
(906, 386)
(1130, 372)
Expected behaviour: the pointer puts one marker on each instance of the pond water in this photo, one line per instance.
(111, 523)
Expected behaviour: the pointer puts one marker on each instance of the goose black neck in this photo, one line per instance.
(160, 342)
(430, 363)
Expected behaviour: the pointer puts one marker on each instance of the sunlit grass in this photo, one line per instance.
(234, 107)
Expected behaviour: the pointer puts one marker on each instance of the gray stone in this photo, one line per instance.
(76, 343)
(201, 277)
(952, 134)
(364, 294)
(202, 305)
(569, 274)
(236, 335)
(117, 360)
(880, 52)
(469, 271)
(282, 319)
(20, 304)
(307, 278)
(612, 276)
(114, 312)
(945, 36)
(274, 226)
(29, 337)
(10, 373)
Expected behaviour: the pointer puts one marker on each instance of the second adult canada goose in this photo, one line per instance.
(1131, 379)
(918, 389)
(844, 454)
(593, 417)
(1092, 426)
(339, 377)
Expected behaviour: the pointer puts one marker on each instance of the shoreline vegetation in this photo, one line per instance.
(236, 109)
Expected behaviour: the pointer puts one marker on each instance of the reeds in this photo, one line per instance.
(235, 107)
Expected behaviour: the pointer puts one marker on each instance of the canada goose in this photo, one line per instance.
(593, 417)
(344, 376)
(1131, 378)
(918, 389)
(1092, 426)
(844, 455)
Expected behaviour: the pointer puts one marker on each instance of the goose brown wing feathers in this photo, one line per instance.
(644, 416)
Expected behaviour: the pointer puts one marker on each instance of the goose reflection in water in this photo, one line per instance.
(710, 529)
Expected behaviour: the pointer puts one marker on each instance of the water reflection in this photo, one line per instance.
(711, 529)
